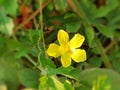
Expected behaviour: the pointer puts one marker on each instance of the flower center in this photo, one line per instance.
(65, 50)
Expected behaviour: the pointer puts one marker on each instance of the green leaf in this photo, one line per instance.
(20, 48)
(73, 27)
(115, 58)
(61, 70)
(7, 28)
(117, 35)
(54, 84)
(95, 61)
(60, 5)
(105, 30)
(51, 6)
(35, 36)
(29, 89)
(29, 78)
(21, 53)
(69, 15)
(82, 87)
(1, 42)
(103, 10)
(89, 76)
(68, 85)
(68, 72)
(43, 83)
(13, 44)
(89, 35)
(45, 61)
(102, 83)
(92, 12)
(9, 68)
(6, 24)
(74, 73)
(50, 83)
(10, 6)
(113, 18)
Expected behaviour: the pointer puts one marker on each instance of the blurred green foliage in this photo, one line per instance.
(23, 59)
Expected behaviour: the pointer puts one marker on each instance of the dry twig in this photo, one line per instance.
(32, 16)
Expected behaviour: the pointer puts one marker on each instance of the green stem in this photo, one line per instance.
(43, 70)
(103, 54)
(41, 25)
(32, 61)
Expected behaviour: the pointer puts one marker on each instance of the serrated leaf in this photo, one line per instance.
(92, 12)
(105, 30)
(103, 10)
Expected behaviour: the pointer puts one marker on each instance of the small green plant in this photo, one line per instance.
(59, 44)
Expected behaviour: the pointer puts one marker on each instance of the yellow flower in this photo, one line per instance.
(68, 49)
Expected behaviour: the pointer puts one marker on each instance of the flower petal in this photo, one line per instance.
(66, 60)
(63, 37)
(79, 55)
(53, 50)
(77, 41)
